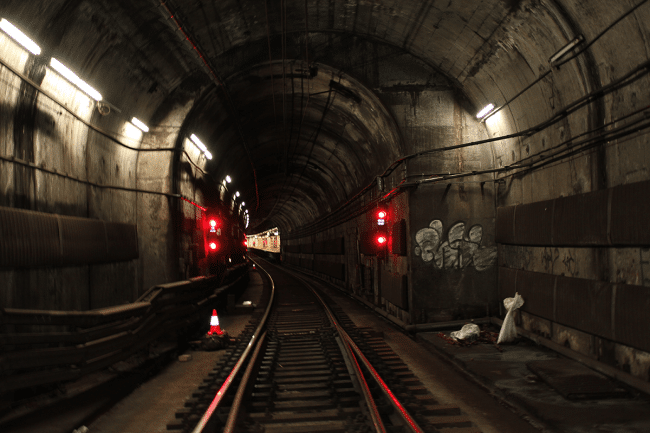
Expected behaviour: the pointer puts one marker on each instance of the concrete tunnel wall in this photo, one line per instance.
(429, 65)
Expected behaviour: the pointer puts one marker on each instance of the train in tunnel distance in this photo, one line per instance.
(220, 241)
(267, 241)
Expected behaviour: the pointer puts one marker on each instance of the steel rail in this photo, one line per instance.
(239, 397)
(255, 339)
(353, 363)
(399, 407)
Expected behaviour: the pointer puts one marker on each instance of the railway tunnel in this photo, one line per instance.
(503, 139)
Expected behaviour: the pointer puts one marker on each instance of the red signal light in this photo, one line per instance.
(213, 245)
(381, 239)
(381, 214)
(213, 223)
(245, 243)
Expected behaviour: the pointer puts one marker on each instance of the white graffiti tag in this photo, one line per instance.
(458, 250)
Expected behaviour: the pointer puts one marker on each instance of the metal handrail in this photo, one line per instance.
(254, 341)
(90, 339)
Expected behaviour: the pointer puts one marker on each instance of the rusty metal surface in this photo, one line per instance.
(534, 223)
(575, 381)
(569, 228)
(630, 208)
(631, 316)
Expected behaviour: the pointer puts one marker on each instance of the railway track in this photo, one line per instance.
(303, 366)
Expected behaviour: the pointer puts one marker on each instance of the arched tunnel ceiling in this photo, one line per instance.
(290, 108)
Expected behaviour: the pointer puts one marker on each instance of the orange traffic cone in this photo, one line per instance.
(214, 324)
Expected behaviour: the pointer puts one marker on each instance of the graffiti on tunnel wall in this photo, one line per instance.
(459, 250)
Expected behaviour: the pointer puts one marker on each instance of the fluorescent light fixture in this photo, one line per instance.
(208, 154)
(243, 204)
(484, 112)
(237, 194)
(228, 179)
(198, 142)
(140, 125)
(565, 49)
(74, 79)
(19, 37)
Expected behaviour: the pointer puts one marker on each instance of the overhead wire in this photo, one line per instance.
(566, 60)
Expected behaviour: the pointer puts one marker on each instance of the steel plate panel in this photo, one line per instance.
(537, 290)
(585, 305)
(630, 210)
(83, 241)
(507, 283)
(631, 316)
(581, 219)
(533, 223)
(505, 225)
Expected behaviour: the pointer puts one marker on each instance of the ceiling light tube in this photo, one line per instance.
(74, 79)
(237, 194)
(140, 125)
(198, 142)
(565, 49)
(228, 179)
(484, 112)
(19, 37)
(207, 154)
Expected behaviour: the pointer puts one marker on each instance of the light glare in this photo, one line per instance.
(481, 114)
(198, 142)
(208, 154)
(237, 194)
(228, 179)
(74, 79)
(19, 37)
(140, 125)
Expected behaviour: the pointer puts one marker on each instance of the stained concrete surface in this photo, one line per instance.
(508, 377)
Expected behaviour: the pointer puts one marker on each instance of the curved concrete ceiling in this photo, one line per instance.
(289, 93)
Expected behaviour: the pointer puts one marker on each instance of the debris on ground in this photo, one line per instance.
(485, 337)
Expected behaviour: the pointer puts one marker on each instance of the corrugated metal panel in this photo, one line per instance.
(581, 219)
(28, 238)
(631, 322)
(32, 239)
(630, 210)
(534, 223)
(122, 242)
(537, 290)
(83, 241)
(585, 305)
(505, 225)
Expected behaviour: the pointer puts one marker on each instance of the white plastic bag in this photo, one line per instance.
(467, 332)
(508, 330)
